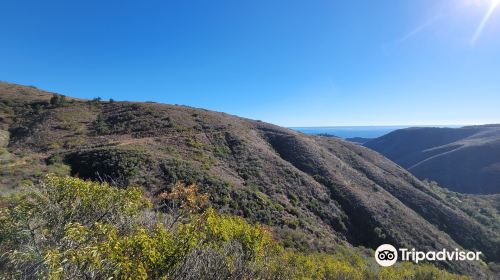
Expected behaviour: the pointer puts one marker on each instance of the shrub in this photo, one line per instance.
(35, 221)
(67, 228)
(57, 100)
(117, 166)
(134, 118)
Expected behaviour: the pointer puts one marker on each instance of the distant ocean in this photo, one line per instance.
(357, 131)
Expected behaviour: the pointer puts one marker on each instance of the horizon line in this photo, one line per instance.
(396, 125)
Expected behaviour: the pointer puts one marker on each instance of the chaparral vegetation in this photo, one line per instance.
(68, 228)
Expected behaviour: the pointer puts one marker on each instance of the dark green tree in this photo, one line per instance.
(57, 100)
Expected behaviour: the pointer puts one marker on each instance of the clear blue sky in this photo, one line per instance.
(293, 63)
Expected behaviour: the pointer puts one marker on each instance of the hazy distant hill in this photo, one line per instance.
(314, 191)
(359, 140)
(463, 159)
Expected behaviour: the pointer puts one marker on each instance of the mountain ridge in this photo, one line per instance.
(462, 159)
(314, 191)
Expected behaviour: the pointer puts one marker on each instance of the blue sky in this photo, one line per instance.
(293, 63)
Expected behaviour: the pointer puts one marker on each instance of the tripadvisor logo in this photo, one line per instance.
(387, 255)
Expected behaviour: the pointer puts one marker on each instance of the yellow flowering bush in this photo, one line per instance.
(67, 228)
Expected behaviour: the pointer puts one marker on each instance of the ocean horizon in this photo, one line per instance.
(360, 131)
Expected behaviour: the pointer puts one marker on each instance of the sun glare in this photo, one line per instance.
(493, 5)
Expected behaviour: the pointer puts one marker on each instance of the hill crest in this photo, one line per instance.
(314, 191)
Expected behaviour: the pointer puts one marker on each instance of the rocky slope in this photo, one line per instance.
(314, 191)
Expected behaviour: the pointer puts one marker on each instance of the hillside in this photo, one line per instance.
(465, 160)
(315, 192)
(358, 140)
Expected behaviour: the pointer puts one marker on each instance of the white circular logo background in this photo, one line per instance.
(386, 255)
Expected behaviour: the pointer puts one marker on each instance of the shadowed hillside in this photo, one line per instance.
(315, 192)
(463, 159)
(359, 140)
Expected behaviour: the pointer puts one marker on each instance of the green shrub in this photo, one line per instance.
(118, 166)
(58, 100)
(67, 228)
(194, 143)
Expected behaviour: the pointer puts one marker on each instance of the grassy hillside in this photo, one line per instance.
(463, 159)
(314, 192)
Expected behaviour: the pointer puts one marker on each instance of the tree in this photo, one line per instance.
(57, 100)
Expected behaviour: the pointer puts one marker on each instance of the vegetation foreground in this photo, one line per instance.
(67, 228)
